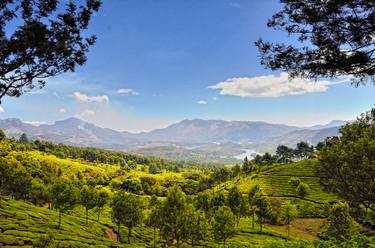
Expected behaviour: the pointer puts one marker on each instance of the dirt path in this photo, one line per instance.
(111, 234)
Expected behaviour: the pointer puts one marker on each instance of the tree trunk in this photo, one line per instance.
(129, 234)
(87, 216)
(118, 231)
(154, 237)
(59, 219)
(224, 241)
(261, 224)
(253, 220)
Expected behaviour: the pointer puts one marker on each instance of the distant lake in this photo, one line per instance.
(246, 153)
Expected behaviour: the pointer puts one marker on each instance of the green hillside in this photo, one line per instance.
(23, 224)
(32, 172)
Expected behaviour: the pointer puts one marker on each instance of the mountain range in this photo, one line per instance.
(188, 134)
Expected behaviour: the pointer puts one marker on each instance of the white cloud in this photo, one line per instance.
(62, 110)
(202, 102)
(2, 110)
(127, 92)
(214, 98)
(269, 86)
(85, 98)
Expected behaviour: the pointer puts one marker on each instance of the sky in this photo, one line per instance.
(159, 62)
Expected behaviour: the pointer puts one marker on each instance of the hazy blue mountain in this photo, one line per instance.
(334, 123)
(71, 131)
(292, 138)
(197, 138)
(207, 131)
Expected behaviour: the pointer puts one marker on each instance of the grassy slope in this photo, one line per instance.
(274, 181)
(22, 223)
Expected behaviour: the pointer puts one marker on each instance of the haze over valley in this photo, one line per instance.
(194, 140)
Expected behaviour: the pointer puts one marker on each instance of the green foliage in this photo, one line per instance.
(174, 217)
(284, 153)
(132, 185)
(303, 149)
(289, 213)
(24, 139)
(88, 198)
(339, 225)
(203, 202)
(294, 182)
(335, 36)
(197, 226)
(126, 210)
(101, 200)
(262, 208)
(252, 198)
(14, 178)
(53, 35)
(346, 163)
(2, 135)
(234, 201)
(38, 192)
(302, 190)
(224, 224)
(64, 196)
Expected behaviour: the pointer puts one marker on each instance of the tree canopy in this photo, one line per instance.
(337, 39)
(346, 164)
(48, 40)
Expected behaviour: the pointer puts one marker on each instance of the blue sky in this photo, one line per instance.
(158, 62)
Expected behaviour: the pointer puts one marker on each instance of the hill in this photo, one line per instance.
(24, 225)
(188, 140)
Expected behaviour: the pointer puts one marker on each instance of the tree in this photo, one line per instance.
(154, 220)
(2, 135)
(302, 190)
(24, 139)
(197, 226)
(234, 201)
(303, 149)
(101, 201)
(340, 224)
(252, 198)
(262, 208)
(289, 213)
(337, 36)
(346, 163)
(38, 192)
(218, 200)
(132, 185)
(294, 182)
(126, 210)
(88, 198)
(203, 202)
(224, 224)
(15, 180)
(48, 40)
(236, 170)
(64, 196)
(174, 216)
(284, 153)
(319, 146)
